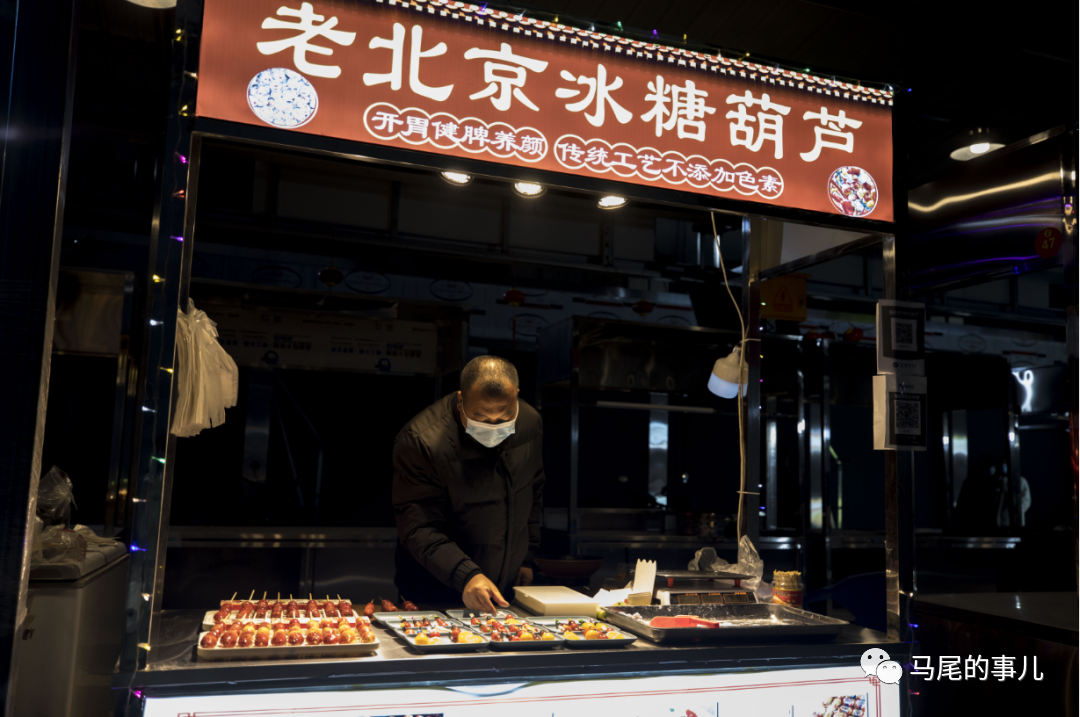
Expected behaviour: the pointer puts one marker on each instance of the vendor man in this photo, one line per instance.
(468, 489)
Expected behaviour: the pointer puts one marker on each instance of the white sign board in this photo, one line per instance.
(774, 693)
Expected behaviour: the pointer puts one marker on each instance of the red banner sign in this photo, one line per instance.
(455, 79)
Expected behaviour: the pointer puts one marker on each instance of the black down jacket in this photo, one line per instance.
(462, 508)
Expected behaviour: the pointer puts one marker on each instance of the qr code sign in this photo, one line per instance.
(904, 335)
(908, 418)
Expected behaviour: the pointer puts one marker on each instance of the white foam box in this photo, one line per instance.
(554, 600)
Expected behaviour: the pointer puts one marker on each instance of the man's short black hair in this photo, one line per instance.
(488, 374)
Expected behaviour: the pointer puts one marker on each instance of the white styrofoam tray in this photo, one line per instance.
(208, 619)
(285, 651)
(554, 600)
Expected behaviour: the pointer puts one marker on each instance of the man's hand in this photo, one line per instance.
(525, 577)
(480, 594)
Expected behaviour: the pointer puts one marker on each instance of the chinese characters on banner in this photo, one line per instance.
(454, 79)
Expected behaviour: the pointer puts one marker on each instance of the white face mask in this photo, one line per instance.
(487, 434)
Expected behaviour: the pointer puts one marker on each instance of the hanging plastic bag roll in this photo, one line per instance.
(207, 377)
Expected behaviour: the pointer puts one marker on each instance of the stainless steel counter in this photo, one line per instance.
(1043, 616)
(176, 669)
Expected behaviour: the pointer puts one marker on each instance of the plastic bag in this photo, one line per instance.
(207, 377)
(706, 560)
(55, 497)
(60, 545)
(93, 538)
(750, 564)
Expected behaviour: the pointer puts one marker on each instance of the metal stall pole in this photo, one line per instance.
(167, 279)
(40, 39)
(573, 517)
(899, 498)
(753, 234)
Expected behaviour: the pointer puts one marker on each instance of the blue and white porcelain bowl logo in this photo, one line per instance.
(282, 98)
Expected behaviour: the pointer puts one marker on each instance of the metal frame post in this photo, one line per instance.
(752, 231)
(166, 279)
(33, 183)
(573, 523)
(899, 498)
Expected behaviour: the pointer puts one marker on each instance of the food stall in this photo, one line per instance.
(439, 86)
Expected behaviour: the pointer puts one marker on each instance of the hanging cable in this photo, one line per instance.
(742, 367)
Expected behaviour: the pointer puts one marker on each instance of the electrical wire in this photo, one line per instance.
(742, 367)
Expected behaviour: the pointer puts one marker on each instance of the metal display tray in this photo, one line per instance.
(737, 622)
(390, 619)
(548, 621)
(466, 615)
(444, 645)
(527, 645)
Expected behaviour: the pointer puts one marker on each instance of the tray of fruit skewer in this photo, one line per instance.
(420, 621)
(276, 609)
(467, 615)
(388, 614)
(437, 640)
(328, 637)
(515, 634)
(582, 632)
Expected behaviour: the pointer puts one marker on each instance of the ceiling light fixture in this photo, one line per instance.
(612, 202)
(974, 143)
(458, 179)
(529, 190)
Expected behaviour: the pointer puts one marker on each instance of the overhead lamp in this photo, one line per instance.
(529, 190)
(725, 380)
(975, 143)
(155, 4)
(612, 202)
(458, 179)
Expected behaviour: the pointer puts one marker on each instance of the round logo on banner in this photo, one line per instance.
(451, 290)
(282, 98)
(527, 324)
(852, 191)
(367, 282)
(972, 343)
(1048, 242)
(280, 276)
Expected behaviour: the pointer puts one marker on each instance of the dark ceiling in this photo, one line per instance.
(966, 65)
